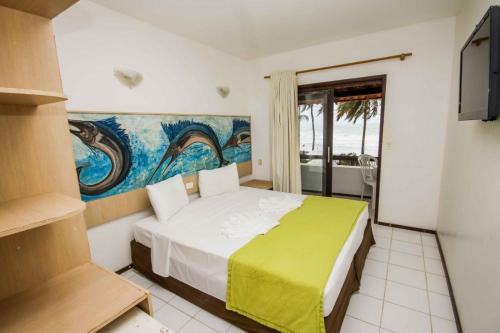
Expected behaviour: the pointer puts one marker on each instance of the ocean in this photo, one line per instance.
(346, 136)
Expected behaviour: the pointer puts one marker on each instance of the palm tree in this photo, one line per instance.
(353, 110)
(303, 108)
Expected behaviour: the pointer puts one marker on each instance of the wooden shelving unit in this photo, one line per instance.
(48, 282)
(32, 212)
(13, 96)
(84, 299)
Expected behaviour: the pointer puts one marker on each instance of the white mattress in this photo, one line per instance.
(199, 254)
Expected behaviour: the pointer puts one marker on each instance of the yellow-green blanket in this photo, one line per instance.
(278, 278)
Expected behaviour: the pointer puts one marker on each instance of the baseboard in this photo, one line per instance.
(448, 282)
(428, 231)
(124, 269)
(450, 289)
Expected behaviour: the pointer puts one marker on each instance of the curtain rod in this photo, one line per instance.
(401, 57)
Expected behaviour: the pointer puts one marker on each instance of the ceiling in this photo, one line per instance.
(254, 28)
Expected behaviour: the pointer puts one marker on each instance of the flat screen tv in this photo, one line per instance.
(479, 70)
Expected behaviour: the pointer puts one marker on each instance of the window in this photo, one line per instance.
(351, 134)
(311, 129)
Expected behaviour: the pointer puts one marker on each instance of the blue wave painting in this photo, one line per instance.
(118, 153)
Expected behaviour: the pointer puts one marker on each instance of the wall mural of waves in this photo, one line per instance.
(117, 153)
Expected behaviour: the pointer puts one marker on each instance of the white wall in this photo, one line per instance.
(415, 114)
(180, 76)
(469, 220)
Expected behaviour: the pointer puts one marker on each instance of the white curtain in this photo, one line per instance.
(285, 133)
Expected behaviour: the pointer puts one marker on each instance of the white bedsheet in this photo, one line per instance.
(192, 249)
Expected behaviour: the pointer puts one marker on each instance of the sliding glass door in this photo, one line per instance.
(339, 121)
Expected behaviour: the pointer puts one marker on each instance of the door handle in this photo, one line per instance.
(329, 156)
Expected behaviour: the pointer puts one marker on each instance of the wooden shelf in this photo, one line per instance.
(44, 8)
(84, 299)
(13, 96)
(31, 212)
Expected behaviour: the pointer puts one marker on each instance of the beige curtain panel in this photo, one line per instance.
(285, 133)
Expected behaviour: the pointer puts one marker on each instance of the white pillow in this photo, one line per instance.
(219, 181)
(167, 197)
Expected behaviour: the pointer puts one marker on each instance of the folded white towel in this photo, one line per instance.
(259, 222)
(279, 205)
(247, 224)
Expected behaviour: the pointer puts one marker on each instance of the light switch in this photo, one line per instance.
(259, 161)
(189, 185)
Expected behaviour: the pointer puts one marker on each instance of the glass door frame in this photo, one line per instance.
(327, 135)
(328, 145)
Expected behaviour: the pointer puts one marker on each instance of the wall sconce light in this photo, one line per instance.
(223, 91)
(128, 77)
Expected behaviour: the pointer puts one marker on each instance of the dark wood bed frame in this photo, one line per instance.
(141, 258)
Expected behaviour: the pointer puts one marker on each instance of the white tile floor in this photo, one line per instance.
(403, 289)
(178, 314)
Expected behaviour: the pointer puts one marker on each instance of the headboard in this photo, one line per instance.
(118, 154)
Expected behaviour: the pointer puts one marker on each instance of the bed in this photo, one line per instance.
(198, 256)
